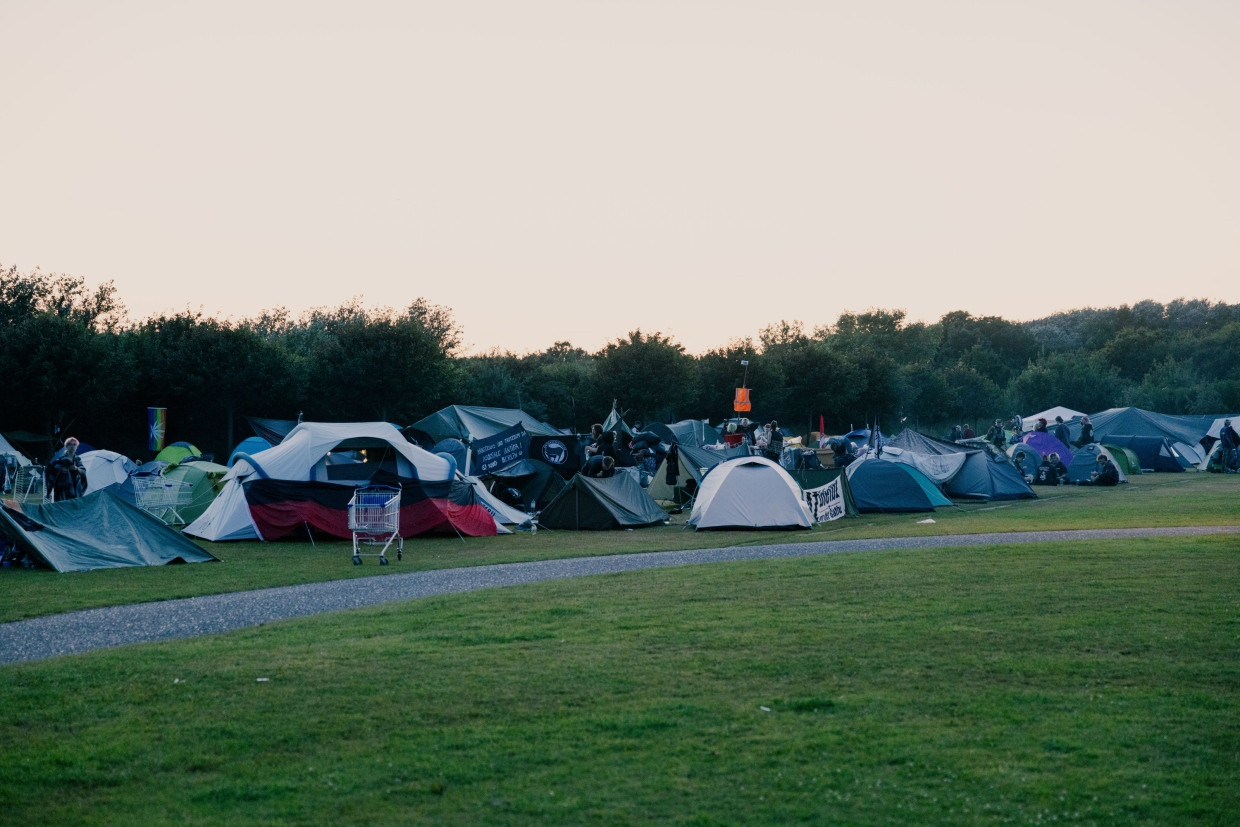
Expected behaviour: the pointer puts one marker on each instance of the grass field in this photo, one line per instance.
(1061, 682)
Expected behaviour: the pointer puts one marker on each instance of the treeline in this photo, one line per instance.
(71, 362)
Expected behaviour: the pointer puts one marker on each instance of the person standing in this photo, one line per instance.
(1061, 431)
(995, 435)
(66, 475)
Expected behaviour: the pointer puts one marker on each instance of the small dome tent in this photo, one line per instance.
(749, 492)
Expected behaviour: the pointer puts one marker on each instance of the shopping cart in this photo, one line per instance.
(29, 485)
(161, 497)
(374, 519)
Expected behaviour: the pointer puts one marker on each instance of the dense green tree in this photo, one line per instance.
(650, 375)
(1087, 383)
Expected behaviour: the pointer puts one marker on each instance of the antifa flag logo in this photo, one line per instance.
(555, 452)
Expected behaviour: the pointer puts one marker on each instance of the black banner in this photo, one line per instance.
(495, 452)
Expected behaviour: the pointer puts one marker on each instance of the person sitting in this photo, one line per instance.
(1087, 433)
(596, 434)
(732, 438)
(1107, 473)
(774, 442)
(600, 466)
(1051, 471)
(66, 475)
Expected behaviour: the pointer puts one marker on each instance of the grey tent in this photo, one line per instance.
(470, 422)
(981, 474)
(600, 504)
(693, 463)
(750, 492)
(97, 531)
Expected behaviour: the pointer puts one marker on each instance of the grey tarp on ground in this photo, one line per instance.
(98, 531)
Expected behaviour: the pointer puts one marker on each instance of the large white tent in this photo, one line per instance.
(304, 456)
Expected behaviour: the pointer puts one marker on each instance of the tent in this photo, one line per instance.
(1085, 462)
(1154, 453)
(1188, 429)
(528, 484)
(97, 531)
(1124, 458)
(692, 464)
(693, 432)
(470, 422)
(249, 445)
(104, 468)
(303, 456)
(880, 485)
(1049, 415)
(283, 508)
(749, 492)
(1044, 444)
(964, 472)
(177, 451)
(204, 480)
(7, 450)
(272, 430)
(599, 504)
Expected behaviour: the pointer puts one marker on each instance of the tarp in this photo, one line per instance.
(749, 492)
(272, 430)
(601, 504)
(1137, 422)
(879, 485)
(470, 422)
(97, 531)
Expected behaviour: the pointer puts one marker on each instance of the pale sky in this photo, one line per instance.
(573, 170)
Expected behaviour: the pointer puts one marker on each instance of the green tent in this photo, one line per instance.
(600, 504)
(203, 479)
(177, 451)
(1125, 458)
(98, 531)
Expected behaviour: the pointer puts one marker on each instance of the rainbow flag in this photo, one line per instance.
(157, 421)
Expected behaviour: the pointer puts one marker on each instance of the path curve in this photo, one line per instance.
(90, 629)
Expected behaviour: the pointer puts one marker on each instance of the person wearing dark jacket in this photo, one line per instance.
(1107, 473)
(1061, 431)
(65, 474)
(1087, 433)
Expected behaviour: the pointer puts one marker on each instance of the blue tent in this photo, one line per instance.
(878, 485)
(250, 446)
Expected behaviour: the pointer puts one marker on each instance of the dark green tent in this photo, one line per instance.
(98, 531)
(600, 504)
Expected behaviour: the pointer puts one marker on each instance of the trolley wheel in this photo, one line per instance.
(383, 561)
(357, 559)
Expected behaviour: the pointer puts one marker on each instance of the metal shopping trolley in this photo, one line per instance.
(29, 485)
(161, 497)
(374, 519)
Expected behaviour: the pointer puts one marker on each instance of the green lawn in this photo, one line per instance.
(1063, 682)
(1149, 500)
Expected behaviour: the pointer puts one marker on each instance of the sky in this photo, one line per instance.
(572, 170)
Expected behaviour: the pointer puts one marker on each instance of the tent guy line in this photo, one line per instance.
(92, 629)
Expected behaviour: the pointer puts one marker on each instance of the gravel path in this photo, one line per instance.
(47, 637)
